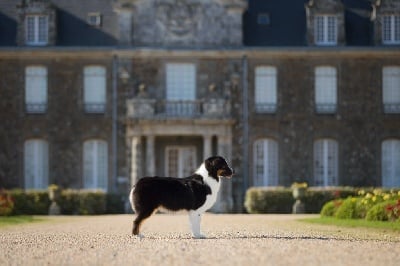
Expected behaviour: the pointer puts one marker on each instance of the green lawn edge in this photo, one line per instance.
(354, 223)
(20, 219)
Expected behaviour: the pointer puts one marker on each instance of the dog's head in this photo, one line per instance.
(217, 167)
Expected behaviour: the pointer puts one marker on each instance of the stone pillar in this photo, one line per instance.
(136, 159)
(150, 156)
(225, 201)
(207, 146)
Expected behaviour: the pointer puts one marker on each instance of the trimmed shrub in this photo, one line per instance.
(92, 202)
(269, 200)
(378, 212)
(330, 208)
(30, 202)
(347, 210)
(115, 204)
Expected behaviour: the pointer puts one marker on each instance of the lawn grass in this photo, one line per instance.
(395, 226)
(15, 220)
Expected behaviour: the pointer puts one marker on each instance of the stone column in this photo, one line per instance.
(207, 146)
(136, 159)
(225, 201)
(150, 156)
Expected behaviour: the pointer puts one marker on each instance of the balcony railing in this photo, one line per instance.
(152, 108)
(36, 108)
(325, 108)
(391, 108)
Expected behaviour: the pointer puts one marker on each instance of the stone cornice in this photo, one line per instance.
(249, 52)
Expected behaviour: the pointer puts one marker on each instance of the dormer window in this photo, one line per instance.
(94, 19)
(391, 29)
(325, 30)
(37, 30)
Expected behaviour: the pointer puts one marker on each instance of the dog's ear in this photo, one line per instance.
(212, 165)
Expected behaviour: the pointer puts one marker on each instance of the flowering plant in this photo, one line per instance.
(393, 211)
(6, 203)
(299, 185)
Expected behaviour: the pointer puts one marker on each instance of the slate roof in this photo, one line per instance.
(287, 23)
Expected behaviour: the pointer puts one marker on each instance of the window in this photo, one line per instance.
(36, 29)
(391, 89)
(391, 163)
(180, 160)
(391, 29)
(326, 162)
(181, 89)
(94, 89)
(95, 164)
(36, 164)
(94, 19)
(325, 89)
(35, 89)
(266, 162)
(265, 89)
(263, 19)
(325, 30)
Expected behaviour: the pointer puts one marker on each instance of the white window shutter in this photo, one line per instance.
(95, 173)
(94, 95)
(391, 89)
(325, 89)
(29, 164)
(102, 165)
(36, 85)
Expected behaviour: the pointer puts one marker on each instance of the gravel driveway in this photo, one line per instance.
(232, 240)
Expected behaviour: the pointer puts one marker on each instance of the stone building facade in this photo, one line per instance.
(97, 94)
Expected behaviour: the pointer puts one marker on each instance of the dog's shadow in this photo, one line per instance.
(238, 237)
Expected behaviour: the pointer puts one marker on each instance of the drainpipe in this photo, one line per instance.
(114, 151)
(245, 121)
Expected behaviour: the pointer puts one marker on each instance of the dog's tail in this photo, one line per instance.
(131, 199)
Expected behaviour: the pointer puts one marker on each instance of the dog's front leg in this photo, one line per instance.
(195, 219)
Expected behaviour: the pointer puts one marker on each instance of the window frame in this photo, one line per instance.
(36, 89)
(325, 33)
(391, 89)
(326, 172)
(34, 31)
(95, 95)
(265, 89)
(265, 172)
(95, 164)
(389, 173)
(391, 29)
(36, 164)
(325, 89)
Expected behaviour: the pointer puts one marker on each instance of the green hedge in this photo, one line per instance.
(71, 202)
(280, 199)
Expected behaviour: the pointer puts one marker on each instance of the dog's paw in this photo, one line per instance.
(199, 236)
(138, 236)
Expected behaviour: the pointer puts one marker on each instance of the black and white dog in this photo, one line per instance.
(196, 193)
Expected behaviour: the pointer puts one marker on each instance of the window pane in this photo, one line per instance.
(43, 29)
(95, 164)
(266, 163)
(36, 165)
(326, 162)
(266, 89)
(95, 89)
(181, 81)
(325, 89)
(391, 89)
(391, 163)
(36, 89)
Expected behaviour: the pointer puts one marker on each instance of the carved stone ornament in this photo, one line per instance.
(178, 20)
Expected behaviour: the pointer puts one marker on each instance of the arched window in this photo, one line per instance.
(95, 164)
(326, 162)
(391, 163)
(266, 162)
(36, 164)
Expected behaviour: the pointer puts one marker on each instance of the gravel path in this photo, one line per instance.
(232, 240)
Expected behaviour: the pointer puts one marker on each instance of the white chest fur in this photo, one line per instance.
(213, 184)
